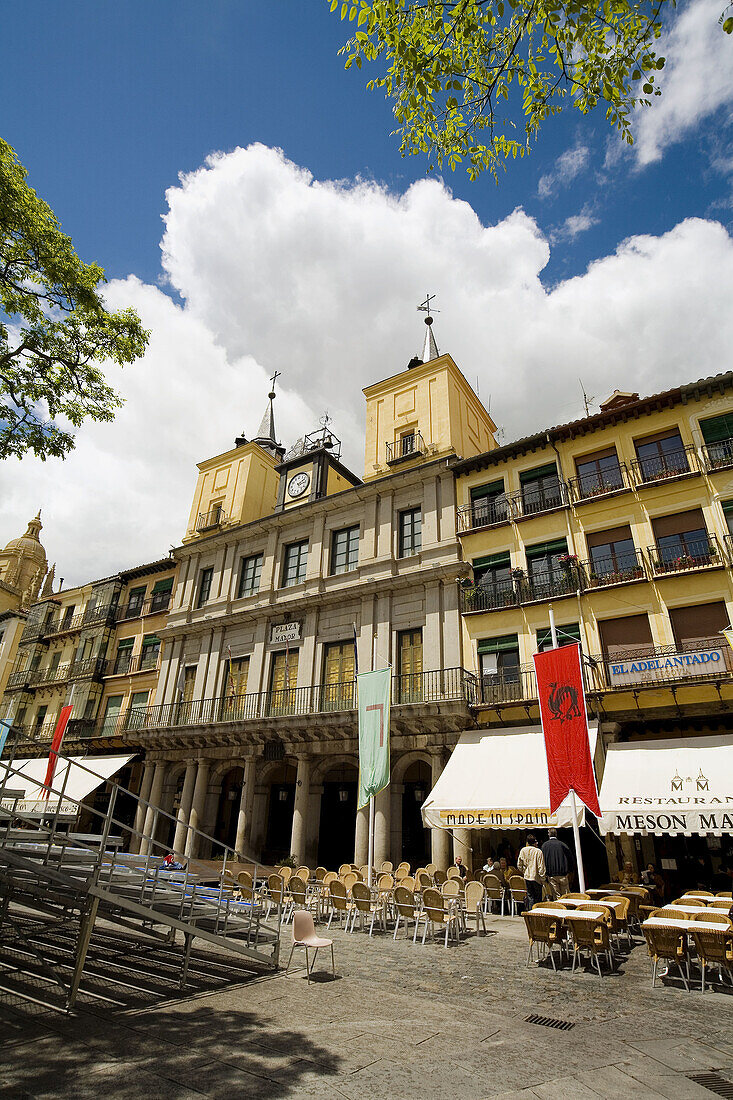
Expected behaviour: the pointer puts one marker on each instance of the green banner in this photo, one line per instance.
(373, 691)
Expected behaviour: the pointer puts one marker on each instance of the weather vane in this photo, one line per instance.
(425, 306)
(325, 421)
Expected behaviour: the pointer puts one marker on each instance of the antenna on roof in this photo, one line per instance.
(587, 401)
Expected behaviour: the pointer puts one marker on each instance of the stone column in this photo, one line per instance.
(258, 832)
(462, 847)
(145, 785)
(361, 837)
(197, 805)
(313, 825)
(440, 839)
(381, 827)
(156, 790)
(244, 820)
(184, 810)
(300, 809)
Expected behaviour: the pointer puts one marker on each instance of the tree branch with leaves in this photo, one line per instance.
(473, 81)
(54, 327)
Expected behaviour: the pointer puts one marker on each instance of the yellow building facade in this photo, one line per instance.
(622, 523)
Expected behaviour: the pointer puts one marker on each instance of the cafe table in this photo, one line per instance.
(563, 914)
(683, 907)
(573, 903)
(686, 924)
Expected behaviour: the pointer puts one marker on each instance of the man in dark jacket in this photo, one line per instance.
(558, 864)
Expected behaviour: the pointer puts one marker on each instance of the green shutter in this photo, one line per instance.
(151, 639)
(163, 586)
(558, 546)
(494, 488)
(126, 643)
(727, 507)
(539, 471)
(717, 428)
(564, 635)
(491, 560)
(503, 644)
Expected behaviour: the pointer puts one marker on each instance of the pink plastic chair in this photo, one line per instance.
(304, 935)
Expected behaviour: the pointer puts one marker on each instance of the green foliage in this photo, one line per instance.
(465, 77)
(54, 328)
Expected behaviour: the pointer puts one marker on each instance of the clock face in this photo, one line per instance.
(298, 484)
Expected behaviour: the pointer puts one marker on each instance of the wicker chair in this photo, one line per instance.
(298, 893)
(591, 936)
(721, 904)
(305, 873)
(365, 906)
(621, 914)
(435, 913)
(475, 894)
(349, 879)
(423, 879)
(698, 902)
(714, 948)
(321, 873)
(408, 882)
(576, 897)
(551, 905)
(404, 866)
(699, 894)
(451, 888)
(404, 904)
(431, 868)
(494, 892)
(344, 869)
(285, 873)
(276, 897)
(439, 877)
(453, 872)
(713, 916)
(517, 892)
(725, 894)
(667, 943)
(329, 877)
(386, 867)
(340, 904)
(543, 931)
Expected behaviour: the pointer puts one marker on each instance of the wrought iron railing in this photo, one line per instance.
(483, 513)
(93, 616)
(532, 500)
(614, 569)
(213, 518)
(689, 553)
(125, 665)
(599, 483)
(135, 609)
(407, 446)
(719, 455)
(665, 465)
(490, 597)
(443, 685)
(521, 589)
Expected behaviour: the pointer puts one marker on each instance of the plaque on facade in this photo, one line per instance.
(284, 632)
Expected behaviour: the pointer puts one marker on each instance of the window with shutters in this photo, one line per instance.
(682, 542)
(662, 456)
(338, 676)
(501, 679)
(567, 634)
(598, 474)
(161, 595)
(111, 714)
(717, 431)
(489, 504)
(123, 657)
(137, 710)
(409, 658)
(150, 651)
(235, 702)
(409, 540)
(613, 556)
(699, 626)
(547, 570)
(630, 636)
(283, 683)
(541, 489)
(205, 579)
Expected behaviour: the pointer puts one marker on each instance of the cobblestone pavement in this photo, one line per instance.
(400, 1020)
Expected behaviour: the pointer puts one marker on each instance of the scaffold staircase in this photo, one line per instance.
(79, 917)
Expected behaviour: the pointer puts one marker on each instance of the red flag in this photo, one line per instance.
(58, 736)
(565, 726)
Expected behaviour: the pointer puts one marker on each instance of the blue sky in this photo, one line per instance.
(154, 129)
(117, 99)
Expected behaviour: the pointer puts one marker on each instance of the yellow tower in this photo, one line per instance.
(23, 566)
(426, 411)
(239, 485)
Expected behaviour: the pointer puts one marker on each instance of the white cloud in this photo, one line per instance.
(696, 81)
(573, 226)
(567, 166)
(321, 281)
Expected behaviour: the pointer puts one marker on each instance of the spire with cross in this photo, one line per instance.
(430, 348)
(266, 437)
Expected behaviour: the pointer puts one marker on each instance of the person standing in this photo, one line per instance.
(557, 865)
(531, 865)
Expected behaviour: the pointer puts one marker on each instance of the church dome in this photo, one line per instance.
(29, 544)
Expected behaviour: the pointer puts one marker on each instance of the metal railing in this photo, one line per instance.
(213, 518)
(513, 686)
(614, 569)
(719, 455)
(661, 466)
(61, 624)
(443, 685)
(71, 670)
(532, 501)
(135, 609)
(521, 589)
(123, 665)
(483, 513)
(694, 553)
(408, 446)
(599, 483)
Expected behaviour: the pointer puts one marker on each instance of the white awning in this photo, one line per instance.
(81, 781)
(497, 779)
(679, 786)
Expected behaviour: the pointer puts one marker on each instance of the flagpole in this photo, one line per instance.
(370, 856)
(573, 804)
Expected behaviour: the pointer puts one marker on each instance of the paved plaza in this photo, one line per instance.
(400, 1020)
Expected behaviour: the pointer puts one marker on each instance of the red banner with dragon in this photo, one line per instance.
(565, 726)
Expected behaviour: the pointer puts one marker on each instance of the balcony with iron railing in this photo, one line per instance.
(208, 521)
(138, 609)
(687, 555)
(27, 678)
(406, 447)
(532, 501)
(620, 568)
(483, 513)
(521, 589)
(599, 483)
(683, 462)
(446, 685)
(127, 665)
(719, 455)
